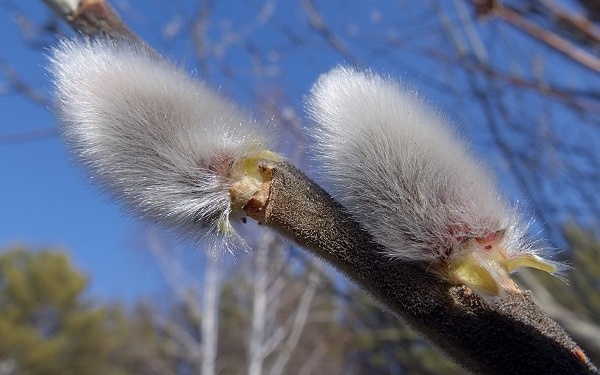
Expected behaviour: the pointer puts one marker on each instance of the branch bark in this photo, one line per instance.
(511, 336)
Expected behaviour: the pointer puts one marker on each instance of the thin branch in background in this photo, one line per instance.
(578, 100)
(175, 275)
(477, 46)
(460, 45)
(185, 344)
(592, 8)
(18, 85)
(556, 42)
(320, 26)
(199, 38)
(30, 136)
(577, 26)
(271, 332)
(257, 348)
(174, 272)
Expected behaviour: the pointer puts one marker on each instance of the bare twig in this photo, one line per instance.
(173, 272)
(577, 99)
(551, 39)
(319, 25)
(259, 309)
(588, 31)
(266, 301)
(186, 344)
(29, 136)
(16, 83)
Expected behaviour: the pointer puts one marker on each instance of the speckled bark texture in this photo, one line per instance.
(512, 337)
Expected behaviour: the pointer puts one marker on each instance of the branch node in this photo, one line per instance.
(257, 205)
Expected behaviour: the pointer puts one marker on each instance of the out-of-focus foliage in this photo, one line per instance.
(580, 291)
(47, 327)
(380, 344)
(584, 278)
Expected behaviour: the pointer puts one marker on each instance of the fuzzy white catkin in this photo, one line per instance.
(155, 138)
(402, 173)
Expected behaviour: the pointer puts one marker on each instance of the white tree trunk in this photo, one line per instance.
(259, 307)
(210, 320)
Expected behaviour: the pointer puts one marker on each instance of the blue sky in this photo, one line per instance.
(48, 200)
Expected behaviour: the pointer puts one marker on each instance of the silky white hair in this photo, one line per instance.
(155, 138)
(402, 173)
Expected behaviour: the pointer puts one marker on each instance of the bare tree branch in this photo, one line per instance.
(29, 136)
(319, 25)
(511, 336)
(173, 272)
(551, 39)
(16, 83)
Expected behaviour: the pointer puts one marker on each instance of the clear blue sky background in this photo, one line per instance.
(47, 200)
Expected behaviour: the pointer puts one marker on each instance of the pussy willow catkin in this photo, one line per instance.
(163, 143)
(407, 179)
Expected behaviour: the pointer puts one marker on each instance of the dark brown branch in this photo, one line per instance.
(514, 336)
(583, 29)
(592, 8)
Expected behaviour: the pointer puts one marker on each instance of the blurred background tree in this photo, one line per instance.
(47, 326)
(519, 78)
